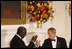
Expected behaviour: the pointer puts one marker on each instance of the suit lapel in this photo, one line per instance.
(50, 44)
(58, 43)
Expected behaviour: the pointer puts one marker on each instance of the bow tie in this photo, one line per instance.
(53, 40)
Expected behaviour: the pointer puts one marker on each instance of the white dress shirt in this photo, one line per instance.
(54, 42)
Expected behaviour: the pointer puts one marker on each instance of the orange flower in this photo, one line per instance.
(30, 11)
(42, 8)
(32, 7)
(44, 12)
(52, 16)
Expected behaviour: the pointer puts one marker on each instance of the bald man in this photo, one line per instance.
(17, 41)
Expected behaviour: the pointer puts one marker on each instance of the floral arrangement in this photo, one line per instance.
(39, 10)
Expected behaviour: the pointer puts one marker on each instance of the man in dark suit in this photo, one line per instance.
(70, 44)
(17, 41)
(54, 41)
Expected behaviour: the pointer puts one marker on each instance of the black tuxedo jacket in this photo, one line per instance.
(16, 42)
(61, 43)
(70, 45)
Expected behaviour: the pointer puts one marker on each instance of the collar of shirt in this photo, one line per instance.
(54, 42)
(19, 36)
(55, 38)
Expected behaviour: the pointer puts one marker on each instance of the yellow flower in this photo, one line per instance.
(32, 9)
(48, 11)
(37, 14)
(44, 20)
(45, 4)
(33, 1)
(39, 11)
(49, 2)
(30, 2)
(38, 5)
(50, 6)
(46, 15)
(40, 19)
(42, 3)
(33, 17)
(34, 13)
(41, 16)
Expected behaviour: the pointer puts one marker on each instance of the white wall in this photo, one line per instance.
(62, 23)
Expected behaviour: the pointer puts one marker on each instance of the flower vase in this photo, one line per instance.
(39, 24)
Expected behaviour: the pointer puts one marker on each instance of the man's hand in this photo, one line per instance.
(38, 43)
(34, 38)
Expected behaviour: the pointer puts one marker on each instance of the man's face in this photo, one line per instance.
(51, 36)
(23, 34)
